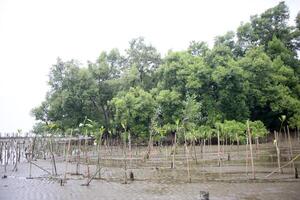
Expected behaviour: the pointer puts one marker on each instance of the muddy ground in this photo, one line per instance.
(154, 178)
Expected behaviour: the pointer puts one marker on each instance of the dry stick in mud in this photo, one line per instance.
(194, 148)
(201, 148)
(298, 135)
(285, 135)
(204, 148)
(99, 157)
(125, 159)
(166, 148)
(39, 167)
(247, 158)
(78, 156)
(130, 157)
(251, 151)
(86, 155)
(52, 156)
(31, 157)
(174, 147)
(64, 150)
(238, 145)
(288, 163)
(290, 148)
(187, 159)
(16, 155)
(149, 148)
(1, 149)
(5, 160)
(67, 158)
(219, 156)
(90, 180)
(256, 147)
(276, 142)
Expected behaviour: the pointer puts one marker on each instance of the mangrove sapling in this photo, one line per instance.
(282, 118)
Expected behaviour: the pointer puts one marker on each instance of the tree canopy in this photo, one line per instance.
(251, 74)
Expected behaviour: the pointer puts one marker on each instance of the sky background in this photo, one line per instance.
(33, 33)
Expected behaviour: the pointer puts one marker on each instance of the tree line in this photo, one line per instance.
(250, 74)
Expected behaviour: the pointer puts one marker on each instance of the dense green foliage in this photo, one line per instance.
(251, 74)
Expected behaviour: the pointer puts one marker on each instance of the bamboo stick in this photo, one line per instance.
(251, 152)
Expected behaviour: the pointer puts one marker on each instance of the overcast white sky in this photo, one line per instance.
(33, 33)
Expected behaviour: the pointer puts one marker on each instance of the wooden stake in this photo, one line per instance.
(298, 135)
(219, 157)
(247, 158)
(195, 153)
(52, 157)
(278, 152)
(290, 147)
(67, 158)
(125, 158)
(251, 152)
(187, 159)
(174, 149)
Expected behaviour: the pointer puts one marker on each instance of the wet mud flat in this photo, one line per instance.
(154, 177)
(17, 186)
